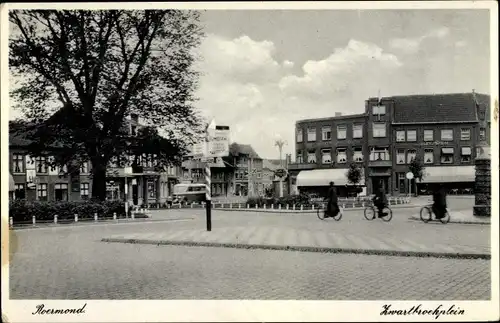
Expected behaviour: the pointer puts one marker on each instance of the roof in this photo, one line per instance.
(455, 107)
(333, 118)
(240, 149)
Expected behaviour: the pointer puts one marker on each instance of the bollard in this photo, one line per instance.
(34, 220)
(279, 207)
(353, 205)
(133, 215)
(248, 206)
(363, 204)
(272, 206)
(192, 203)
(55, 219)
(95, 217)
(256, 206)
(239, 205)
(312, 207)
(265, 206)
(114, 215)
(230, 205)
(301, 207)
(11, 221)
(76, 217)
(293, 207)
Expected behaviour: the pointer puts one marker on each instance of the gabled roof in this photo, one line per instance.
(455, 107)
(236, 149)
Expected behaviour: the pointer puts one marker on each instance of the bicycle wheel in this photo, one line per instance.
(425, 214)
(369, 213)
(446, 218)
(321, 213)
(388, 217)
(339, 215)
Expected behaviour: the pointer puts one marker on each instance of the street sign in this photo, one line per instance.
(199, 149)
(409, 175)
(128, 170)
(218, 142)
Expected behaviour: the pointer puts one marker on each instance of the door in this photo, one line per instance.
(135, 194)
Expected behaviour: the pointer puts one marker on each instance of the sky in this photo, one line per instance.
(263, 70)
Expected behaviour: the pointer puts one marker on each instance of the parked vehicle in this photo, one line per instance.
(188, 193)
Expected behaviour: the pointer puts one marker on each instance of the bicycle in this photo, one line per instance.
(426, 215)
(322, 213)
(371, 213)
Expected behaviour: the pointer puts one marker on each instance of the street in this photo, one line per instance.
(72, 263)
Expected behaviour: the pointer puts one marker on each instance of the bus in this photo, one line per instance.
(188, 193)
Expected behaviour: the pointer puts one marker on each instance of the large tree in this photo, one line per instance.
(80, 74)
(417, 168)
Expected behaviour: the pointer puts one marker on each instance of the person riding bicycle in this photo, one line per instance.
(439, 206)
(380, 202)
(332, 207)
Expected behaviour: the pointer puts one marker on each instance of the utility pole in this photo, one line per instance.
(280, 143)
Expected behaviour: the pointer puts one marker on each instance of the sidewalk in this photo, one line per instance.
(306, 240)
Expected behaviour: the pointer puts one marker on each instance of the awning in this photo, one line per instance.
(12, 183)
(466, 151)
(449, 174)
(447, 151)
(323, 177)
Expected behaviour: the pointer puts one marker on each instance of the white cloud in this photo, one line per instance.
(412, 45)
(245, 87)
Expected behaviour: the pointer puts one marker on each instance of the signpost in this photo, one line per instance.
(409, 176)
(126, 171)
(215, 145)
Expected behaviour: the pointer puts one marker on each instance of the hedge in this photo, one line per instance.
(23, 211)
(301, 199)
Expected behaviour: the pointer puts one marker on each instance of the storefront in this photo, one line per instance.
(317, 181)
(456, 179)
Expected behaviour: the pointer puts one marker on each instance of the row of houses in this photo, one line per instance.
(445, 131)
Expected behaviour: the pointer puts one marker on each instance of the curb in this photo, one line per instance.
(89, 223)
(395, 253)
(452, 221)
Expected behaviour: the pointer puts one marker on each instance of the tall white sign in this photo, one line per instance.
(218, 143)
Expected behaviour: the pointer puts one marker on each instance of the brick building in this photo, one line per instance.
(443, 130)
(35, 180)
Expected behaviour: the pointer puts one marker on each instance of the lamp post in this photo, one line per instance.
(127, 170)
(280, 143)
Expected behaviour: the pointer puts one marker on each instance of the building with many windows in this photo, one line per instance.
(34, 179)
(442, 130)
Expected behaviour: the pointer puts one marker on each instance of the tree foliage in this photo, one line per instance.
(354, 174)
(417, 168)
(80, 74)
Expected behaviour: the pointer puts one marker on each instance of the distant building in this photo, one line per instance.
(443, 130)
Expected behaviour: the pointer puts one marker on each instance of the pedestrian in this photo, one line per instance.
(380, 201)
(332, 206)
(439, 197)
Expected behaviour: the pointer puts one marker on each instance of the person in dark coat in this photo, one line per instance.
(332, 206)
(439, 206)
(379, 200)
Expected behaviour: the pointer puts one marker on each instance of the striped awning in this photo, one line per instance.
(449, 174)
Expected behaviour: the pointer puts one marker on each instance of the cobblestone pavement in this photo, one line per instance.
(71, 263)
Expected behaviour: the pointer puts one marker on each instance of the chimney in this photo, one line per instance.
(338, 114)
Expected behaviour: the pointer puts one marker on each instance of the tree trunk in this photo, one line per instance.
(98, 181)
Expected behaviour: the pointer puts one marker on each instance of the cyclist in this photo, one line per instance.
(380, 201)
(332, 207)
(439, 205)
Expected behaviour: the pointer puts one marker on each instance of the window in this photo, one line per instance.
(379, 130)
(412, 153)
(326, 156)
(400, 136)
(42, 192)
(300, 136)
(341, 131)
(428, 156)
(482, 113)
(18, 163)
(428, 135)
(311, 134)
(411, 135)
(379, 109)
(311, 157)
(478, 151)
(379, 153)
(358, 154)
(61, 192)
(357, 131)
(447, 134)
(400, 156)
(151, 190)
(41, 165)
(465, 134)
(466, 155)
(299, 159)
(447, 155)
(326, 133)
(112, 191)
(19, 193)
(482, 134)
(341, 155)
(84, 190)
